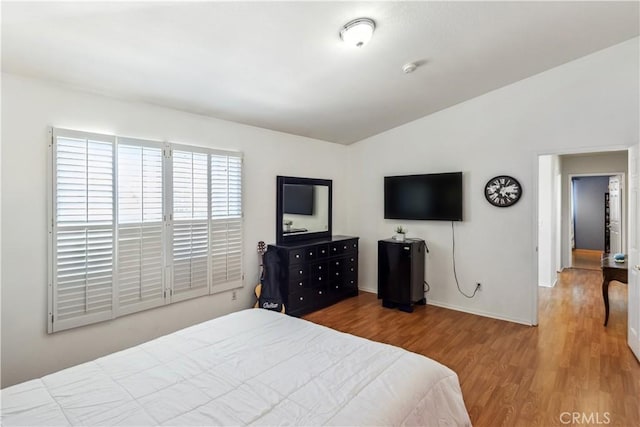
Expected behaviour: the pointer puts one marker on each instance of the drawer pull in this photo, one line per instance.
(300, 272)
(301, 298)
(320, 278)
(351, 268)
(323, 251)
(300, 284)
(319, 292)
(337, 273)
(310, 253)
(319, 267)
(337, 286)
(345, 246)
(335, 249)
(297, 255)
(352, 282)
(337, 262)
(351, 259)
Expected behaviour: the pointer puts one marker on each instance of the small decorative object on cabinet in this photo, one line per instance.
(318, 273)
(401, 273)
(400, 233)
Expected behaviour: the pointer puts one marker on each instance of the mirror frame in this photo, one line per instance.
(282, 238)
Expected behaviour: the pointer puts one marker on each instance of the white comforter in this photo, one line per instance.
(251, 367)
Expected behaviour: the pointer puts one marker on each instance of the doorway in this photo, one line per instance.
(555, 225)
(596, 218)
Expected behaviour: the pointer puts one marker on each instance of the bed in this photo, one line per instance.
(253, 367)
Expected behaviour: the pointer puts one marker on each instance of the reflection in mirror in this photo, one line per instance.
(303, 209)
(306, 209)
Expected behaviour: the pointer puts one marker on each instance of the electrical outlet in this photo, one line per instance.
(234, 295)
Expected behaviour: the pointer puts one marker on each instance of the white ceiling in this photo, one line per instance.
(282, 65)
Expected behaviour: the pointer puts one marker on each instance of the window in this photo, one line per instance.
(138, 224)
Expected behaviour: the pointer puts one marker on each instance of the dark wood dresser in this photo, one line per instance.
(317, 273)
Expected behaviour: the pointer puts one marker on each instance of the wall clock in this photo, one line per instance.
(503, 191)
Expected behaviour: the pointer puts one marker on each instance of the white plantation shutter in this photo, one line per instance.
(140, 225)
(226, 220)
(82, 230)
(190, 231)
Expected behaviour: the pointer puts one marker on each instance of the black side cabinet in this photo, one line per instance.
(401, 273)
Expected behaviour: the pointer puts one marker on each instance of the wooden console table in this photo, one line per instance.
(611, 270)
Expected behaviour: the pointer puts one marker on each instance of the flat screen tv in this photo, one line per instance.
(435, 196)
(298, 199)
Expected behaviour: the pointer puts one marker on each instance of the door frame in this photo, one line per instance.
(534, 222)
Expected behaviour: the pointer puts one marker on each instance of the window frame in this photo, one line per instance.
(167, 227)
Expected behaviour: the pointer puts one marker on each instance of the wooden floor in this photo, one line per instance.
(586, 258)
(516, 375)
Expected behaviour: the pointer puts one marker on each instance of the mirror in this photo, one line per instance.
(303, 209)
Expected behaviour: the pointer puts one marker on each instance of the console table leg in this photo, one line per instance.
(605, 296)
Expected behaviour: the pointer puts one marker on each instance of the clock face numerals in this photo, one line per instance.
(503, 191)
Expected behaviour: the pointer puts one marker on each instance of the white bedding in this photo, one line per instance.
(253, 367)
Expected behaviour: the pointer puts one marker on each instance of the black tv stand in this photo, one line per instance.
(401, 273)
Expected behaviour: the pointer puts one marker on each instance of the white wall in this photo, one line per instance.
(591, 102)
(28, 108)
(588, 211)
(589, 164)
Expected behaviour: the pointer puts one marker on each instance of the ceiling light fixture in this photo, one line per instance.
(358, 32)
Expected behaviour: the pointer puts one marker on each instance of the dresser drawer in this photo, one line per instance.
(351, 259)
(311, 253)
(352, 282)
(297, 272)
(337, 273)
(342, 267)
(336, 248)
(337, 264)
(296, 256)
(319, 278)
(351, 268)
(318, 267)
(306, 298)
(339, 248)
(338, 286)
(298, 284)
(322, 251)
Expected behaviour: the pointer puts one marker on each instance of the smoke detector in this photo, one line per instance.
(409, 67)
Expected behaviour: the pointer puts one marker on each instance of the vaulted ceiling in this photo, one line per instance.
(282, 65)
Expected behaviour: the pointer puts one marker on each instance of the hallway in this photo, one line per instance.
(586, 259)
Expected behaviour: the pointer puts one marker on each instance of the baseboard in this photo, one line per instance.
(370, 290)
(478, 312)
(464, 310)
